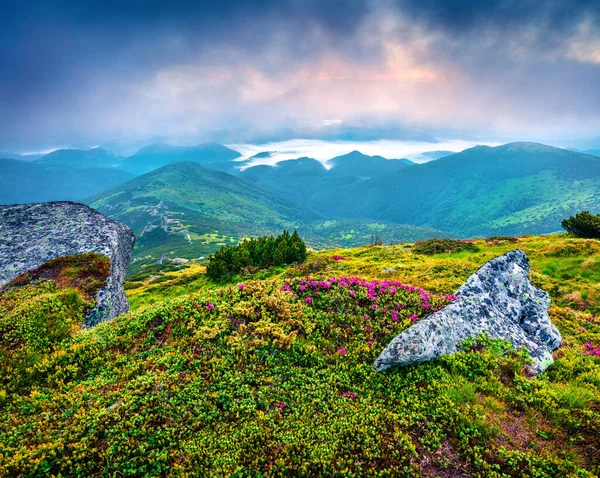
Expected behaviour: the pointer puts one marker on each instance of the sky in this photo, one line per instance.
(77, 72)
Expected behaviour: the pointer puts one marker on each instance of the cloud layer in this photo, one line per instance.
(92, 71)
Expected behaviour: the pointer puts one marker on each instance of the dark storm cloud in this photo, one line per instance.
(51, 50)
(67, 67)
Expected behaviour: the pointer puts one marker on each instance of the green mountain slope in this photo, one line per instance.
(303, 178)
(512, 189)
(194, 210)
(26, 182)
(359, 165)
(190, 210)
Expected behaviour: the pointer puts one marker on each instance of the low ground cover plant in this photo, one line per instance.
(274, 377)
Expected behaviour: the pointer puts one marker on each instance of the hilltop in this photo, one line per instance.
(193, 209)
(217, 379)
(517, 188)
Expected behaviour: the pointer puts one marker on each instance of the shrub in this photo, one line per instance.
(501, 239)
(255, 254)
(583, 224)
(443, 246)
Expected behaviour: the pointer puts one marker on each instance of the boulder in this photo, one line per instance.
(33, 234)
(500, 300)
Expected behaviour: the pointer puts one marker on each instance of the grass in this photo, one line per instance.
(207, 379)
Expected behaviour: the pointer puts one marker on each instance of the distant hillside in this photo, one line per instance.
(512, 189)
(359, 165)
(593, 152)
(431, 155)
(22, 157)
(26, 182)
(304, 177)
(213, 155)
(80, 158)
(191, 211)
(194, 210)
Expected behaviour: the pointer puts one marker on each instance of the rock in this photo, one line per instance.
(498, 299)
(163, 258)
(33, 234)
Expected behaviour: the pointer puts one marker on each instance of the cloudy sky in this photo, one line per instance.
(74, 71)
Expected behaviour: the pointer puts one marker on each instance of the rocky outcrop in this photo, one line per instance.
(32, 234)
(500, 300)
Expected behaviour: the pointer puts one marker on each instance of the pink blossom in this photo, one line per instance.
(241, 287)
(308, 300)
(342, 351)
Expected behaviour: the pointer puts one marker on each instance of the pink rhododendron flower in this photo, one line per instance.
(342, 351)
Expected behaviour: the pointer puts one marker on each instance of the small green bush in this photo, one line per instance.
(443, 246)
(256, 254)
(583, 224)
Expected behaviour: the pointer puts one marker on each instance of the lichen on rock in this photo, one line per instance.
(498, 300)
(33, 234)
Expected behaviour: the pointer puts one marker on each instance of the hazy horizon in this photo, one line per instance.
(87, 74)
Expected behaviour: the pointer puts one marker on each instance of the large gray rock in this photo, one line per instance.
(32, 234)
(500, 300)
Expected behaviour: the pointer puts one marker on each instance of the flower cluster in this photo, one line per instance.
(370, 311)
(589, 349)
(349, 395)
(338, 258)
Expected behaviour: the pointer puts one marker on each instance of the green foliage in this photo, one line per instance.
(443, 246)
(255, 254)
(88, 273)
(202, 379)
(583, 224)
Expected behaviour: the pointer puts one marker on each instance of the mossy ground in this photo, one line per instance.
(205, 379)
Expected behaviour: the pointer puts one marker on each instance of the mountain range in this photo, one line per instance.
(191, 210)
(518, 188)
(191, 200)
